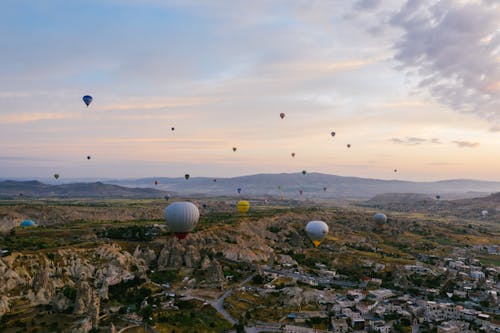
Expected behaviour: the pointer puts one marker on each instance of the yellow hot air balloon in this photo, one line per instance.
(243, 206)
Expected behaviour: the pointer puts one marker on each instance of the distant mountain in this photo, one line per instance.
(312, 185)
(14, 189)
(410, 202)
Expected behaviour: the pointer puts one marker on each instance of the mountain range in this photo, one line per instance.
(313, 185)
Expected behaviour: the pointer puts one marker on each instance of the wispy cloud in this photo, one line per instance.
(466, 144)
(414, 141)
(32, 117)
(454, 48)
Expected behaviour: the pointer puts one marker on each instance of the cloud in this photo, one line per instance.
(414, 141)
(466, 144)
(32, 117)
(454, 49)
(366, 4)
(495, 129)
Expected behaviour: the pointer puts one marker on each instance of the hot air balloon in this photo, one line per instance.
(215, 180)
(484, 213)
(438, 197)
(234, 148)
(204, 206)
(187, 176)
(332, 134)
(173, 128)
(28, 223)
(87, 99)
(156, 182)
(238, 190)
(293, 154)
(380, 219)
(395, 170)
(167, 197)
(56, 176)
(181, 218)
(324, 189)
(88, 157)
(279, 187)
(243, 206)
(304, 172)
(301, 191)
(316, 231)
(282, 115)
(348, 145)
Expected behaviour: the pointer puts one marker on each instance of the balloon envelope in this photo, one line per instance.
(332, 134)
(380, 219)
(56, 176)
(316, 231)
(243, 206)
(238, 189)
(293, 154)
(304, 172)
(87, 99)
(187, 176)
(181, 217)
(234, 148)
(28, 223)
(282, 115)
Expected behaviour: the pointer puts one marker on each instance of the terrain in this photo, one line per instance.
(103, 264)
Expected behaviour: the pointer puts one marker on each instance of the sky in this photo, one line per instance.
(412, 86)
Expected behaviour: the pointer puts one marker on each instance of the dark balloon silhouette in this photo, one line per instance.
(87, 99)
(282, 115)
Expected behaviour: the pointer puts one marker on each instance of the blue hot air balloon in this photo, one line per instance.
(87, 99)
(28, 223)
(239, 190)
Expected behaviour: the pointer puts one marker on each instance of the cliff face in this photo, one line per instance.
(79, 278)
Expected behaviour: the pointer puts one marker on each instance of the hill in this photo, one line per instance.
(312, 185)
(16, 189)
(410, 202)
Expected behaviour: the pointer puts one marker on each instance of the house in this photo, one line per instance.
(339, 325)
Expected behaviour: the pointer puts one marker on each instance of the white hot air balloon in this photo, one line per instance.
(484, 213)
(316, 231)
(181, 218)
(380, 219)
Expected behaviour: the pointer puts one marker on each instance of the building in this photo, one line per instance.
(339, 325)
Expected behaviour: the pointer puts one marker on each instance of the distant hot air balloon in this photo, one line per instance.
(282, 115)
(28, 223)
(301, 191)
(181, 218)
(215, 180)
(87, 99)
(234, 148)
(316, 231)
(484, 213)
(380, 219)
(293, 154)
(88, 157)
(348, 145)
(395, 170)
(156, 182)
(438, 197)
(332, 134)
(173, 128)
(243, 206)
(279, 187)
(324, 189)
(56, 176)
(238, 190)
(204, 206)
(304, 172)
(167, 197)
(187, 176)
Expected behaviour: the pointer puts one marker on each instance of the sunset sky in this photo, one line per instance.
(413, 87)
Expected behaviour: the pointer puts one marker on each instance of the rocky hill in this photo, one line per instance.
(36, 189)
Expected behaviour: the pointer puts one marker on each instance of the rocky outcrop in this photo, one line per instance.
(214, 273)
(60, 303)
(4, 305)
